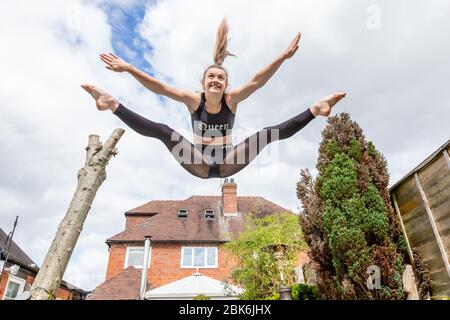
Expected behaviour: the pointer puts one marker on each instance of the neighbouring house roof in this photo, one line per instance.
(15, 254)
(124, 286)
(163, 225)
(196, 284)
(19, 257)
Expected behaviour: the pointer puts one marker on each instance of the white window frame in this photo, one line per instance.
(183, 218)
(126, 265)
(21, 282)
(213, 214)
(215, 266)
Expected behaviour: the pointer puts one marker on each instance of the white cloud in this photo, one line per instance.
(46, 119)
(395, 76)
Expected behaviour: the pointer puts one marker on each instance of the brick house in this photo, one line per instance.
(20, 271)
(186, 245)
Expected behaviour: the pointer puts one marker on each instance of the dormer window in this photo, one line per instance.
(182, 214)
(209, 214)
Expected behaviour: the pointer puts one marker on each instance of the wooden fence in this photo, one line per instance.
(422, 200)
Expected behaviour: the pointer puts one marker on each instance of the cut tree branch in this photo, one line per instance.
(90, 178)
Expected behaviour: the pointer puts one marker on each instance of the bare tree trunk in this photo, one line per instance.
(90, 177)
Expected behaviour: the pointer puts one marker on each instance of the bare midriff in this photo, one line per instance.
(217, 141)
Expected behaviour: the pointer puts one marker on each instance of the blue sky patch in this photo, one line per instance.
(126, 40)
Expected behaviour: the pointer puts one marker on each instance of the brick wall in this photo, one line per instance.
(61, 294)
(3, 283)
(116, 260)
(165, 264)
(133, 220)
(229, 197)
(302, 257)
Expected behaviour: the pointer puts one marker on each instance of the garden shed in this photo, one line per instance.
(422, 200)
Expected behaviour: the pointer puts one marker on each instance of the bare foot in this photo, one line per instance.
(323, 106)
(103, 99)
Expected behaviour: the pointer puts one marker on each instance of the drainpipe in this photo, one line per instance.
(145, 268)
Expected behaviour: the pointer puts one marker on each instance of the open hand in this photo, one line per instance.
(114, 63)
(293, 47)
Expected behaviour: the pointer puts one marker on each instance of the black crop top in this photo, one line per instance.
(205, 124)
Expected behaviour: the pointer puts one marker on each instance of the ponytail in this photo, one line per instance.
(221, 52)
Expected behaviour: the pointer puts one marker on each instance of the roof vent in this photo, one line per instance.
(209, 214)
(182, 214)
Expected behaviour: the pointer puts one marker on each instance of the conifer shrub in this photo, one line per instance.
(348, 220)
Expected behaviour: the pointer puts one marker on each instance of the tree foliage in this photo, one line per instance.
(258, 270)
(348, 219)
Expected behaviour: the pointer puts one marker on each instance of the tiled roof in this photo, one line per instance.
(124, 286)
(17, 255)
(15, 252)
(165, 226)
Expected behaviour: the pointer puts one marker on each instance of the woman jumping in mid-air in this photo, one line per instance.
(212, 114)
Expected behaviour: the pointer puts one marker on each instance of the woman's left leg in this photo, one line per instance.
(245, 152)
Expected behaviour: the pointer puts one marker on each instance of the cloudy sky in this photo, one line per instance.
(392, 57)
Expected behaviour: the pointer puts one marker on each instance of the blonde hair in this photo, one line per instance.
(220, 51)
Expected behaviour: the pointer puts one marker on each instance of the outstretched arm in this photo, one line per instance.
(261, 78)
(116, 64)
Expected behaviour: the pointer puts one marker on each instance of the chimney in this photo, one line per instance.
(229, 198)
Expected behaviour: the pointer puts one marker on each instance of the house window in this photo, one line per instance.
(135, 257)
(209, 214)
(182, 214)
(14, 288)
(199, 257)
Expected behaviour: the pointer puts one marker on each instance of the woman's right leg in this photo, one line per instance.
(186, 154)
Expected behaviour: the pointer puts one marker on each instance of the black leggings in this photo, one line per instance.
(219, 162)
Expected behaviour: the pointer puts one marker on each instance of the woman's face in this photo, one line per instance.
(215, 80)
